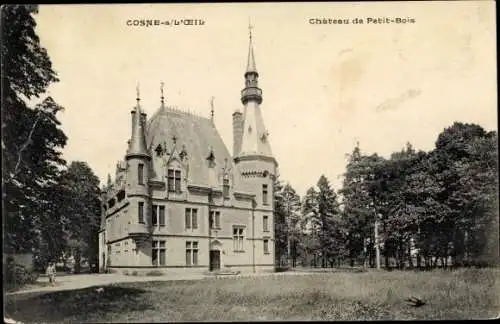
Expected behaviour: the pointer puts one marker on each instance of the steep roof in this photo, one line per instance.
(197, 135)
(251, 66)
(137, 144)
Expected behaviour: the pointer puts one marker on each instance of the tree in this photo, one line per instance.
(52, 236)
(280, 227)
(32, 139)
(467, 163)
(331, 237)
(355, 201)
(81, 211)
(293, 217)
(311, 224)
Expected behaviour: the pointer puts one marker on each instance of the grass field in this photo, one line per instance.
(449, 295)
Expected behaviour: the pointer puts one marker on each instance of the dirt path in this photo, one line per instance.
(81, 281)
(89, 280)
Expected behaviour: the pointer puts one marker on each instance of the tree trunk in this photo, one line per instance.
(386, 256)
(77, 260)
(410, 258)
(401, 253)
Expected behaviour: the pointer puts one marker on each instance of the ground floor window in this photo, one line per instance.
(266, 246)
(191, 253)
(158, 257)
(238, 236)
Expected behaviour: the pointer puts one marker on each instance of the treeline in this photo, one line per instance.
(50, 209)
(432, 209)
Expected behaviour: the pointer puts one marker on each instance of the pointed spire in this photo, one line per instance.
(162, 97)
(251, 67)
(137, 146)
(252, 90)
(138, 96)
(212, 109)
(109, 180)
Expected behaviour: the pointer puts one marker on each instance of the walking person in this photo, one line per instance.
(51, 273)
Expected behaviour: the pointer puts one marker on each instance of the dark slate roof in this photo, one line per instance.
(198, 135)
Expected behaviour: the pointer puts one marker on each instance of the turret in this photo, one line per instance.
(138, 164)
(137, 146)
(252, 150)
(253, 140)
(251, 90)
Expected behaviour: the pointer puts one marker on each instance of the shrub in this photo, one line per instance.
(154, 273)
(135, 273)
(126, 273)
(17, 276)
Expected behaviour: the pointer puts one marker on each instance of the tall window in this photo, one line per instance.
(158, 215)
(266, 246)
(264, 194)
(154, 215)
(238, 236)
(265, 225)
(161, 215)
(215, 219)
(191, 218)
(191, 253)
(140, 173)
(141, 212)
(225, 187)
(174, 180)
(158, 256)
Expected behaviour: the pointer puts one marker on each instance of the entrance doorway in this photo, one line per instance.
(214, 260)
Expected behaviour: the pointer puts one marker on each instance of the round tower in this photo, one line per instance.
(137, 174)
(253, 155)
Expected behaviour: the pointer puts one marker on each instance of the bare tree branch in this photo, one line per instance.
(23, 147)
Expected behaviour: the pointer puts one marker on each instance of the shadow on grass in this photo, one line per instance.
(76, 305)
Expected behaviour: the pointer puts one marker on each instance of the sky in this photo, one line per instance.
(325, 86)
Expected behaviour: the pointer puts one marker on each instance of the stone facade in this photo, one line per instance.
(180, 202)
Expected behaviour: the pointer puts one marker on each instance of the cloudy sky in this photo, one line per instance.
(325, 87)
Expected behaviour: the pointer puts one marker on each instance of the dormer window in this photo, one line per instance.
(174, 180)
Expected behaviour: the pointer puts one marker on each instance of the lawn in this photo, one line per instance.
(449, 295)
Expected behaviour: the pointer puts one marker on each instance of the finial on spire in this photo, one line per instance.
(138, 98)
(161, 90)
(212, 109)
(251, 58)
(250, 27)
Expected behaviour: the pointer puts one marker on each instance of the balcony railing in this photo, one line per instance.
(251, 91)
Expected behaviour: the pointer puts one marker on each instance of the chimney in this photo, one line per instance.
(237, 132)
